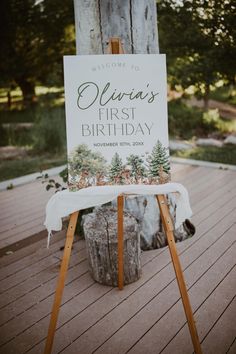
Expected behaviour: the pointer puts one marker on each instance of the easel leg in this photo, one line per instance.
(168, 226)
(61, 282)
(120, 207)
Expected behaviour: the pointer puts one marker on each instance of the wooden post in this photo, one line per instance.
(168, 226)
(134, 22)
(115, 47)
(61, 282)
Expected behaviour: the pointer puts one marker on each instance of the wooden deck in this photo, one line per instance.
(22, 215)
(147, 316)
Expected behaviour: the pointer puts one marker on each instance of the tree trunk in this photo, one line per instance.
(134, 22)
(206, 97)
(9, 99)
(28, 91)
(100, 230)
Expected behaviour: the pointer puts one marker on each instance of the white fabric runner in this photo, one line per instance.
(63, 203)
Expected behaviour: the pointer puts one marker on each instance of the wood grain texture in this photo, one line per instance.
(134, 22)
(61, 282)
(148, 314)
(131, 298)
(116, 22)
(144, 27)
(168, 227)
(87, 27)
(101, 236)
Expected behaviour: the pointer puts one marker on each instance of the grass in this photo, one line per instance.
(18, 116)
(46, 98)
(47, 133)
(225, 154)
(16, 168)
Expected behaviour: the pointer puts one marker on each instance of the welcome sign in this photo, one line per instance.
(116, 117)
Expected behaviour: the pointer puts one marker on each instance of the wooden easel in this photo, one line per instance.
(115, 47)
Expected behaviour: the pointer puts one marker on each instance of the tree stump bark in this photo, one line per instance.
(100, 230)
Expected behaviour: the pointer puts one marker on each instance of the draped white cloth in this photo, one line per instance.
(63, 203)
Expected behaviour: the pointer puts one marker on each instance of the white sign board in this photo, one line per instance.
(116, 114)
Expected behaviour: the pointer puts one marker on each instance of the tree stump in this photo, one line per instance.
(100, 230)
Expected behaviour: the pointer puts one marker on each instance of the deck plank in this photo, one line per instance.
(223, 333)
(232, 347)
(50, 271)
(37, 252)
(174, 319)
(82, 321)
(147, 316)
(140, 321)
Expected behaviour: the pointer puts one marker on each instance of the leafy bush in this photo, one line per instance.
(15, 135)
(3, 136)
(186, 122)
(49, 131)
(211, 118)
(224, 94)
(18, 115)
(64, 175)
(225, 154)
(29, 164)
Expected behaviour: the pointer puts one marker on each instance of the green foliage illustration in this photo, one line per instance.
(137, 166)
(158, 158)
(116, 168)
(83, 159)
(88, 168)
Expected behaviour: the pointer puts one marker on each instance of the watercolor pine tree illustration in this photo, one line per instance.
(137, 167)
(116, 169)
(83, 164)
(159, 161)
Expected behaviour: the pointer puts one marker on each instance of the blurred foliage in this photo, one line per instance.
(224, 94)
(64, 175)
(186, 122)
(4, 137)
(16, 168)
(211, 118)
(199, 38)
(16, 135)
(49, 132)
(34, 35)
(18, 115)
(225, 154)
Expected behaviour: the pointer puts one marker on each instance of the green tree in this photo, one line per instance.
(34, 35)
(116, 169)
(136, 162)
(159, 158)
(82, 158)
(198, 37)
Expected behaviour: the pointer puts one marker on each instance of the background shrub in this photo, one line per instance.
(49, 133)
